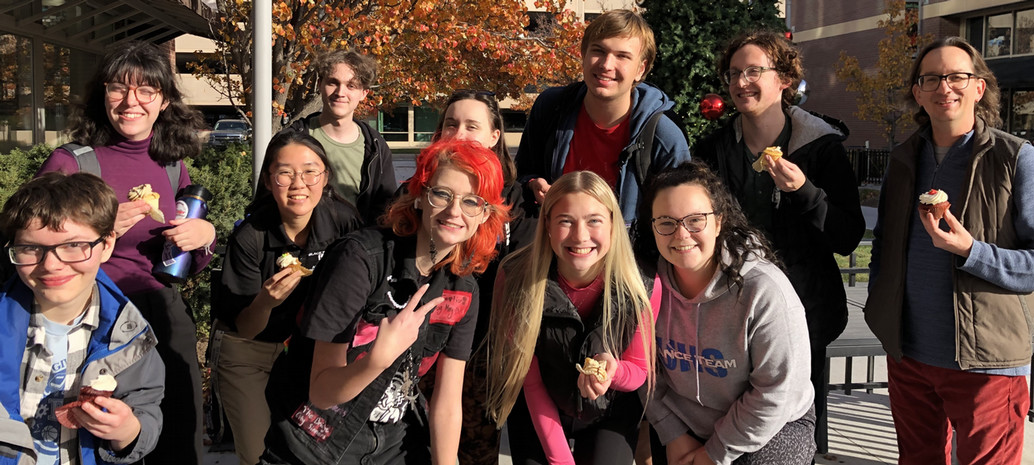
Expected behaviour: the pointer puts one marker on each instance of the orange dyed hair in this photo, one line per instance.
(472, 158)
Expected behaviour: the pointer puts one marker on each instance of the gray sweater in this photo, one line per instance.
(734, 363)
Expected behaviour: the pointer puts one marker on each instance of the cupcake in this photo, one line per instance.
(144, 192)
(290, 261)
(103, 386)
(934, 201)
(761, 164)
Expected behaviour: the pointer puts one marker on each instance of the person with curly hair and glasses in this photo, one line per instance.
(732, 383)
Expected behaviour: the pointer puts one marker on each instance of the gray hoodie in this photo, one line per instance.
(734, 364)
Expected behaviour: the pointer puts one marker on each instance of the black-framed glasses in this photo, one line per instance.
(956, 81)
(309, 177)
(68, 252)
(750, 73)
(116, 91)
(442, 197)
(666, 225)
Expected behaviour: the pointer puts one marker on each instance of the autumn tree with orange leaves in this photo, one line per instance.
(426, 49)
(883, 90)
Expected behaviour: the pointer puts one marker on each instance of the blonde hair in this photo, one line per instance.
(517, 309)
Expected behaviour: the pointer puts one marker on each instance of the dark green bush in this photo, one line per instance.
(226, 173)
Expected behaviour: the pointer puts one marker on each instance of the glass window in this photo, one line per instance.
(395, 125)
(424, 121)
(16, 92)
(999, 35)
(57, 87)
(1023, 114)
(975, 33)
(1025, 31)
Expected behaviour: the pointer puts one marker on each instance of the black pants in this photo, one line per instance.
(173, 324)
(610, 440)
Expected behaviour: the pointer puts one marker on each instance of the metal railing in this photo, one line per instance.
(869, 164)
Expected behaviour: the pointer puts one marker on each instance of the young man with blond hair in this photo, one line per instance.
(595, 124)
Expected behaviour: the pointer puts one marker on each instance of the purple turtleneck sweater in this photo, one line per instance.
(124, 165)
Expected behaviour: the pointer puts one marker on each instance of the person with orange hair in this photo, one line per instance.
(389, 303)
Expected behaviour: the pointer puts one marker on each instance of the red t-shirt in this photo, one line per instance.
(596, 149)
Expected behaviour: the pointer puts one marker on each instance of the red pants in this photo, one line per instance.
(987, 413)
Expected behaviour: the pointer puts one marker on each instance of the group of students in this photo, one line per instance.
(568, 294)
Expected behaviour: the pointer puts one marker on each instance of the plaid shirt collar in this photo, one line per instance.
(90, 320)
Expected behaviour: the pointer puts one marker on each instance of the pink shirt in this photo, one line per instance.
(630, 375)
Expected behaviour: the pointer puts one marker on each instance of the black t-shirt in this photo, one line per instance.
(251, 255)
(344, 288)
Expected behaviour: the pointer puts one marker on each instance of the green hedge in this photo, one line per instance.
(226, 173)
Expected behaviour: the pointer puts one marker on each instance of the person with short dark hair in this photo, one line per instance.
(140, 130)
(950, 297)
(363, 171)
(83, 380)
(593, 124)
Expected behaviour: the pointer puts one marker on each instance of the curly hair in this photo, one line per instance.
(482, 164)
(175, 131)
(363, 67)
(495, 116)
(785, 58)
(736, 236)
(986, 107)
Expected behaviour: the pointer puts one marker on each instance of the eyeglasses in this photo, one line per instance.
(118, 92)
(470, 204)
(956, 81)
(68, 252)
(751, 74)
(666, 225)
(309, 177)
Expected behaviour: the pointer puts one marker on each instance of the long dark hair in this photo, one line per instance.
(175, 131)
(737, 235)
(496, 117)
(264, 196)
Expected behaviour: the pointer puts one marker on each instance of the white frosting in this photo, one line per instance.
(286, 260)
(104, 383)
(932, 199)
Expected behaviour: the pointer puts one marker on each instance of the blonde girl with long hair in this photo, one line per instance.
(574, 293)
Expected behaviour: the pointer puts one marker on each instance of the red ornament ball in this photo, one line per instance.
(712, 106)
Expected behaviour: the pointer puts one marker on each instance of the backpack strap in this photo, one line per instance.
(85, 158)
(86, 161)
(643, 154)
(173, 171)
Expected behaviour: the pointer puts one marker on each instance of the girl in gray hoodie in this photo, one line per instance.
(732, 383)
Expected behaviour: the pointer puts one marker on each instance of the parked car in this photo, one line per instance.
(229, 131)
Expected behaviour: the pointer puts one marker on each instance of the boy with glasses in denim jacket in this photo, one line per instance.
(66, 326)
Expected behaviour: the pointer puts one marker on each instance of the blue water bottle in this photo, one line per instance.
(192, 202)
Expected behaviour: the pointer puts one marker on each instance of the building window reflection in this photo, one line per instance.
(16, 96)
(57, 86)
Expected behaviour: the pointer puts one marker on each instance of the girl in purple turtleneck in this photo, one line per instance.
(136, 121)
